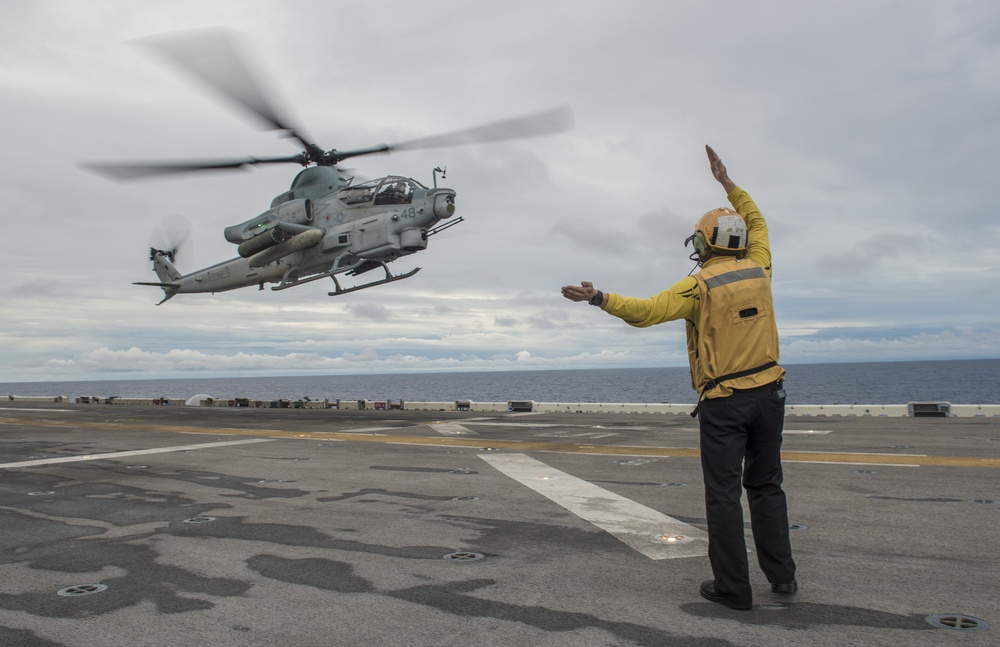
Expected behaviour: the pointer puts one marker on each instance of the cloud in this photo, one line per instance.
(887, 345)
(373, 311)
(871, 152)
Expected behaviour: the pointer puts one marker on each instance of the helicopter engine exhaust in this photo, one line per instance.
(259, 243)
(308, 238)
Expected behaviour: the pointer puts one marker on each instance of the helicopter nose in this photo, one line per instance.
(444, 204)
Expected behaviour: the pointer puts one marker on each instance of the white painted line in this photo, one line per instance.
(36, 410)
(452, 429)
(136, 452)
(848, 453)
(862, 464)
(582, 434)
(529, 425)
(648, 531)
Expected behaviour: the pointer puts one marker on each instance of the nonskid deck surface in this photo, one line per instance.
(195, 526)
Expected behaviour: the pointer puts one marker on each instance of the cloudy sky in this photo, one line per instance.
(867, 131)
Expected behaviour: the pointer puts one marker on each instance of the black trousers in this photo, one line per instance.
(741, 441)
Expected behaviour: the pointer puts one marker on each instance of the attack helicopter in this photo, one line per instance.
(324, 225)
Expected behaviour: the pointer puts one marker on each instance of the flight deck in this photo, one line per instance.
(128, 525)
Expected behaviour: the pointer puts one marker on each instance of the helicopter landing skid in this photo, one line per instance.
(389, 278)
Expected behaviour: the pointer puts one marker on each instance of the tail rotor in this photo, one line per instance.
(169, 237)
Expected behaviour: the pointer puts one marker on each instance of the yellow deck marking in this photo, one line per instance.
(523, 446)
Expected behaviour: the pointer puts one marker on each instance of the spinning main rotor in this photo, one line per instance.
(212, 57)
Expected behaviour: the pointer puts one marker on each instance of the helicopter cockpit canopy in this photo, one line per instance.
(394, 189)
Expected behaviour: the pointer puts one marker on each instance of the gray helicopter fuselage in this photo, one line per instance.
(321, 226)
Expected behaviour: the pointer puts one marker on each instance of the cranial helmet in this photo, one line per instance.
(720, 231)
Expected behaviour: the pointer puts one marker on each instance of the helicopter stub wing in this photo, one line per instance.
(364, 266)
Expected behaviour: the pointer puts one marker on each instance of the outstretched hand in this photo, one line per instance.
(583, 292)
(719, 170)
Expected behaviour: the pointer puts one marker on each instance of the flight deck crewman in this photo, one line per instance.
(732, 343)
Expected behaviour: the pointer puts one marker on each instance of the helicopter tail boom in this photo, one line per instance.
(168, 274)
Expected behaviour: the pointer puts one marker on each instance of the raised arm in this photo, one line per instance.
(719, 170)
(758, 248)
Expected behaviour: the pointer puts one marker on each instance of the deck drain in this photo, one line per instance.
(956, 622)
(137, 467)
(487, 449)
(797, 526)
(462, 470)
(273, 481)
(864, 472)
(466, 498)
(986, 501)
(463, 556)
(82, 589)
(199, 520)
(633, 461)
(675, 484)
(45, 493)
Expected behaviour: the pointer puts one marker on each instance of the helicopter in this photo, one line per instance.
(324, 225)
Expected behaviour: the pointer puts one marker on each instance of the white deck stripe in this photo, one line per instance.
(452, 429)
(135, 452)
(849, 463)
(642, 528)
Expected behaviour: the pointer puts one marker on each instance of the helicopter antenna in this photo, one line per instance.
(440, 170)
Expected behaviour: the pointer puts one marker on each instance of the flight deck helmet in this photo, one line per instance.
(719, 232)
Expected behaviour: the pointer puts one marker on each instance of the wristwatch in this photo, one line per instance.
(598, 299)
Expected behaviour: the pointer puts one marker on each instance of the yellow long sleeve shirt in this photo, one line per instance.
(682, 300)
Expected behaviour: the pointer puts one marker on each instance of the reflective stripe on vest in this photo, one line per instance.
(733, 277)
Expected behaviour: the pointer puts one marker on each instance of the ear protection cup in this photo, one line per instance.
(699, 244)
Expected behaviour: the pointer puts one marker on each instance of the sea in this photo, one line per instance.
(953, 381)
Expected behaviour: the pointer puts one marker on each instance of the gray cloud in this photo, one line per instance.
(865, 131)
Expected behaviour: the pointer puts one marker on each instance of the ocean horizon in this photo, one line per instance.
(955, 381)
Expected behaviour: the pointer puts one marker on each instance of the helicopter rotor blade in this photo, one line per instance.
(212, 56)
(124, 171)
(548, 122)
